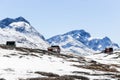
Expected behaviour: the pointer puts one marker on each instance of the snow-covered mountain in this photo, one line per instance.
(21, 31)
(23, 63)
(77, 41)
(70, 42)
(81, 41)
(100, 44)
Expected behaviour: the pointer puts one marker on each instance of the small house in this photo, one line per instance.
(11, 43)
(108, 50)
(54, 49)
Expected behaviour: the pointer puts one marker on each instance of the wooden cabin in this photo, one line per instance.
(54, 49)
(108, 50)
(11, 43)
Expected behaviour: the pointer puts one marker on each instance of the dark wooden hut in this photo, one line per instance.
(55, 48)
(11, 43)
(108, 50)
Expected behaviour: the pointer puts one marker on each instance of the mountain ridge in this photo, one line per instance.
(5, 22)
(75, 41)
(83, 37)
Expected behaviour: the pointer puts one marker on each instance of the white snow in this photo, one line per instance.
(31, 38)
(15, 67)
(79, 50)
(20, 24)
(105, 58)
(12, 67)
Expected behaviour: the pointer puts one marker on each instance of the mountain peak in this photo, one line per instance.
(21, 19)
(77, 33)
(81, 36)
(5, 22)
(106, 38)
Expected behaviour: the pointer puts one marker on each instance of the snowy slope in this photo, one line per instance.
(70, 45)
(22, 32)
(23, 65)
(80, 39)
(101, 44)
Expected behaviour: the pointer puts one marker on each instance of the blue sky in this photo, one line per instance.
(51, 17)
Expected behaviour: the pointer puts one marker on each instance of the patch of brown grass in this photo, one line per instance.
(47, 74)
(65, 77)
(100, 67)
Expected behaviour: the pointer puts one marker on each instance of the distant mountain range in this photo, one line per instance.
(76, 41)
(80, 39)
